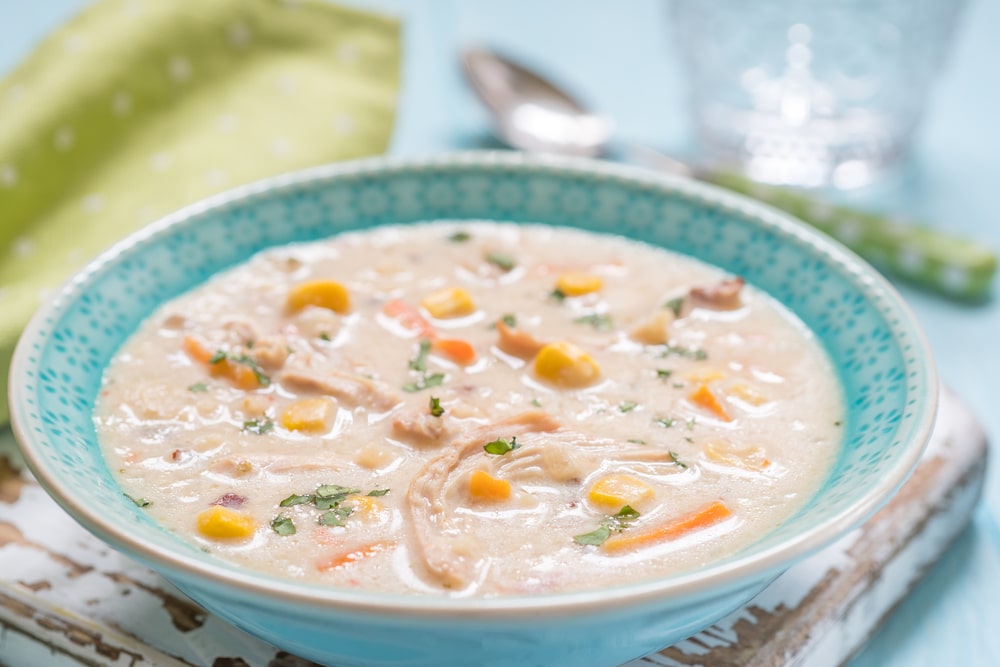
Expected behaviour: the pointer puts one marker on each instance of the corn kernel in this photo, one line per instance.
(704, 375)
(373, 456)
(748, 394)
(613, 492)
(748, 458)
(309, 414)
(578, 283)
(655, 330)
(365, 507)
(565, 364)
(327, 294)
(449, 302)
(223, 523)
(483, 486)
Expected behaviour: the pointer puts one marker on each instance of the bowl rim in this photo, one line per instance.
(710, 581)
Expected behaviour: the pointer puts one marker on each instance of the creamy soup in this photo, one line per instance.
(475, 409)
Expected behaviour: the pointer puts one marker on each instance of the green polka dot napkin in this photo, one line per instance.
(138, 107)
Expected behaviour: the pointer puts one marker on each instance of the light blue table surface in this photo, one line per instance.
(619, 58)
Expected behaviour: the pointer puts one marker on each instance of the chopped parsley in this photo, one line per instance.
(282, 525)
(615, 523)
(419, 365)
(419, 362)
(327, 499)
(502, 261)
(676, 460)
(435, 407)
(666, 422)
(335, 517)
(258, 426)
(694, 353)
(637, 441)
(557, 295)
(509, 319)
(295, 499)
(537, 403)
(500, 446)
(663, 373)
(198, 388)
(627, 406)
(460, 236)
(325, 336)
(599, 321)
(425, 382)
(690, 424)
(245, 360)
(675, 305)
(139, 502)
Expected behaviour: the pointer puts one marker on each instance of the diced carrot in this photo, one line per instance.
(240, 375)
(346, 558)
(707, 516)
(196, 349)
(458, 350)
(483, 486)
(704, 398)
(409, 317)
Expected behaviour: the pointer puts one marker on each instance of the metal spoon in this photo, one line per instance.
(532, 114)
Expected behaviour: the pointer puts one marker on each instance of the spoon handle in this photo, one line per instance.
(950, 265)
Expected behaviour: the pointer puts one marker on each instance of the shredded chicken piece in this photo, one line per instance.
(723, 296)
(566, 456)
(654, 330)
(419, 428)
(446, 553)
(241, 466)
(240, 331)
(349, 389)
(517, 342)
(270, 352)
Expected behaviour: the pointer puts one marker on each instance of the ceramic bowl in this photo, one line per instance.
(882, 359)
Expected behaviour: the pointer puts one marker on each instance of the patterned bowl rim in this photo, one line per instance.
(712, 581)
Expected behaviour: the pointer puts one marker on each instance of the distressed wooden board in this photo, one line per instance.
(66, 599)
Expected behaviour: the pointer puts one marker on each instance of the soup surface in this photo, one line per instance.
(471, 409)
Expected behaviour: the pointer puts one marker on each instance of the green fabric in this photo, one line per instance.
(950, 265)
(134, 109)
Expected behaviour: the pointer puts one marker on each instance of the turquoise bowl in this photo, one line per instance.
(885, 368)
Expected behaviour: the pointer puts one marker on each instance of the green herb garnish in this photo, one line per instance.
(675, 305)
(245, 360)
(686, 352)
(198, 388)
(419, 362)
(460, 237)
(676, 460)
(378, 492)
(666, 422)
(557, 295)
(335, 517)
(636, 441)
(425, 382)
(663, 373)
(537, 403)
(139, 502)
(435, 407)
(500, 446)
(500, 260)
(599, 321)
(509, 319)
(282, 525)
(627, 406)
(325, 336)
(691, 423)
(615, 523)
(258, 426)
(295, 499)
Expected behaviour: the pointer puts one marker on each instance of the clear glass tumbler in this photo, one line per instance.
(811, 92)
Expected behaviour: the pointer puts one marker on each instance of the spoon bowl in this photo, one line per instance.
(532, 114)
